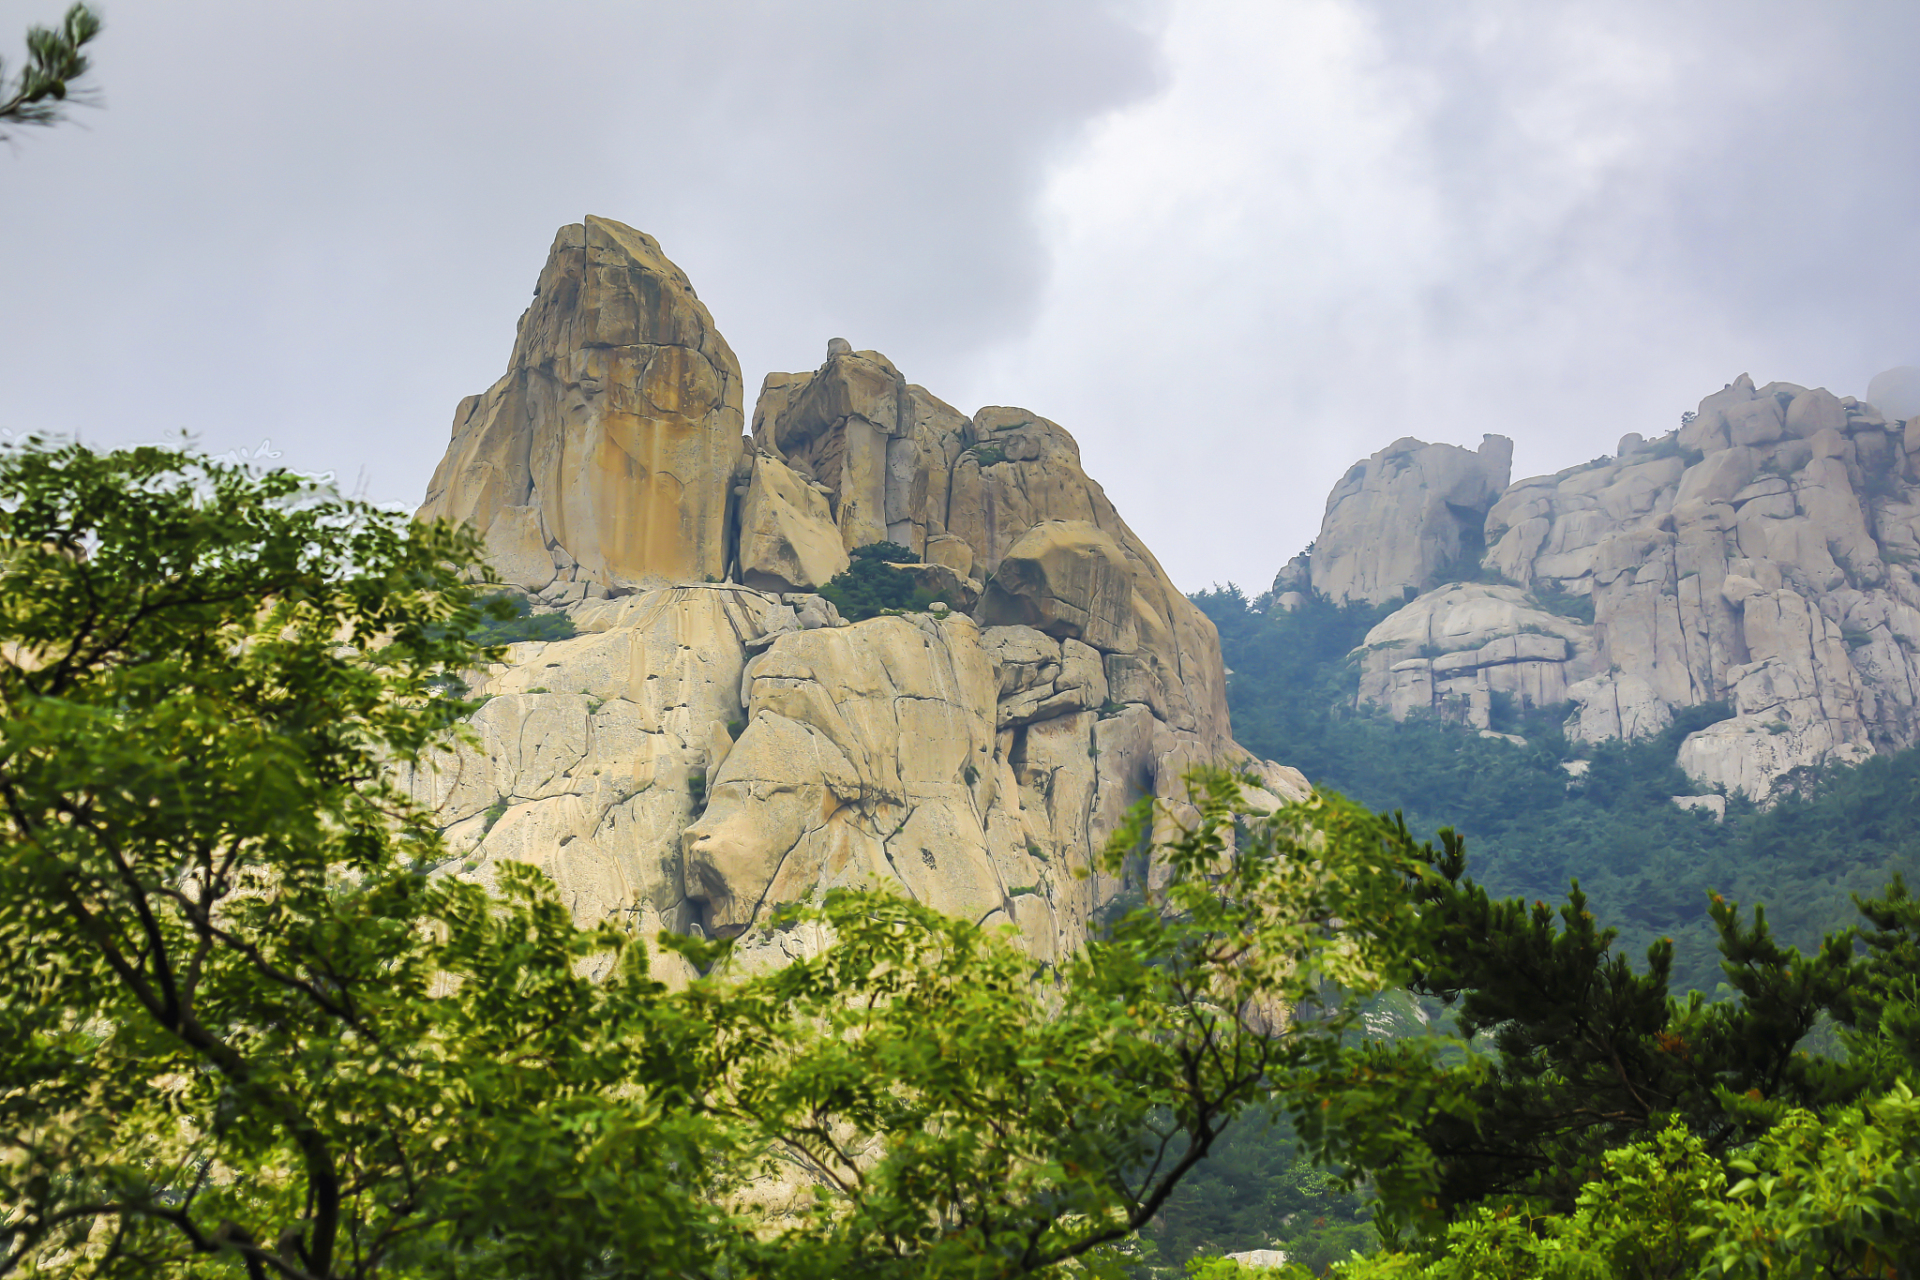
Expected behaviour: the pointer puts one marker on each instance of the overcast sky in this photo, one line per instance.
(1232, 245)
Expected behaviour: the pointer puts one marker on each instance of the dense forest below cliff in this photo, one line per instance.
(1648, 865)
(1531, 829)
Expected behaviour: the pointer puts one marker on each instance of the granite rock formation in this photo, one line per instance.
(1763, 555)
(703, 751)
(602, 459)
(1403, 519)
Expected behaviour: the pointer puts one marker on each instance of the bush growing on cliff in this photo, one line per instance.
(508, 618)
(871, 586)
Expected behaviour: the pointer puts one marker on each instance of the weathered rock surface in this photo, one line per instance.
(1452, 650)
(788, 540)
(602, 459)
(1763, 555)
(1399, 519)
(705, 751)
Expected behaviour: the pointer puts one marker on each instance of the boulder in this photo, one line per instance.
(788, 540)
(1400, 518)
(1757, 421)
(1449, 651)
(1066, 578)
(1713, 806)
(1813, 412)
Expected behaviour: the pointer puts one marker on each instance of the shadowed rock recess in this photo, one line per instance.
(1763, 555)
(715, 740)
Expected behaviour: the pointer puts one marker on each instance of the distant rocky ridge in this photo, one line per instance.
(716, 740)
(1763, 555)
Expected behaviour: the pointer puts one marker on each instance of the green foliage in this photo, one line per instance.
(1258, 1190)
(508, 618)
(241, 1032)
(216, 1036)
(1565, 603)
(1594, 1130)
(1639, 1219)
(988, 454)
(1826, 1196)
(494, 812)
(1013, 1123)
(891, 552)
(1646, 865)
(871, 586)
(54, 60)
(1584, 1054)
(1668, 446)
(1834, 1197)
(1880, 1006)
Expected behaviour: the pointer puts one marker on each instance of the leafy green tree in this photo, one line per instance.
(1834, 1197)
(54, 60)
(972, 1120)
(244, 1029)
(1879, 1006)
(871, 585)
(510, 619)
(237, 1024)
(1583, 1055)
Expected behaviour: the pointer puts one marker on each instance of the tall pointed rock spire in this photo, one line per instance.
(603, 457)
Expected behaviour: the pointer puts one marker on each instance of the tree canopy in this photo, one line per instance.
(250, 1024)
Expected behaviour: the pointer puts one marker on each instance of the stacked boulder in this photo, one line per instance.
(716, 740)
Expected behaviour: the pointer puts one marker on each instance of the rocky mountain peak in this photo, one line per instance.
(1763, 556)
(601, 459)
(1403, 519)
(716, 739)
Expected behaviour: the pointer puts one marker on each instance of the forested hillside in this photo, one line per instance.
(1531, 827)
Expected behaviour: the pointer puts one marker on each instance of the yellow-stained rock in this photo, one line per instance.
(602, 458)
(1066, 578)
(788, 541)
(701, 753)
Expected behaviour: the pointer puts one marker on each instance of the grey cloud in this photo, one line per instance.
(1231, 246)
(1560, 222)
(319, 222)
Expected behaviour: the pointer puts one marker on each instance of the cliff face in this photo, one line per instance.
(601, 459)
(1763, 555)
(1402, 519)
(704, 751)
